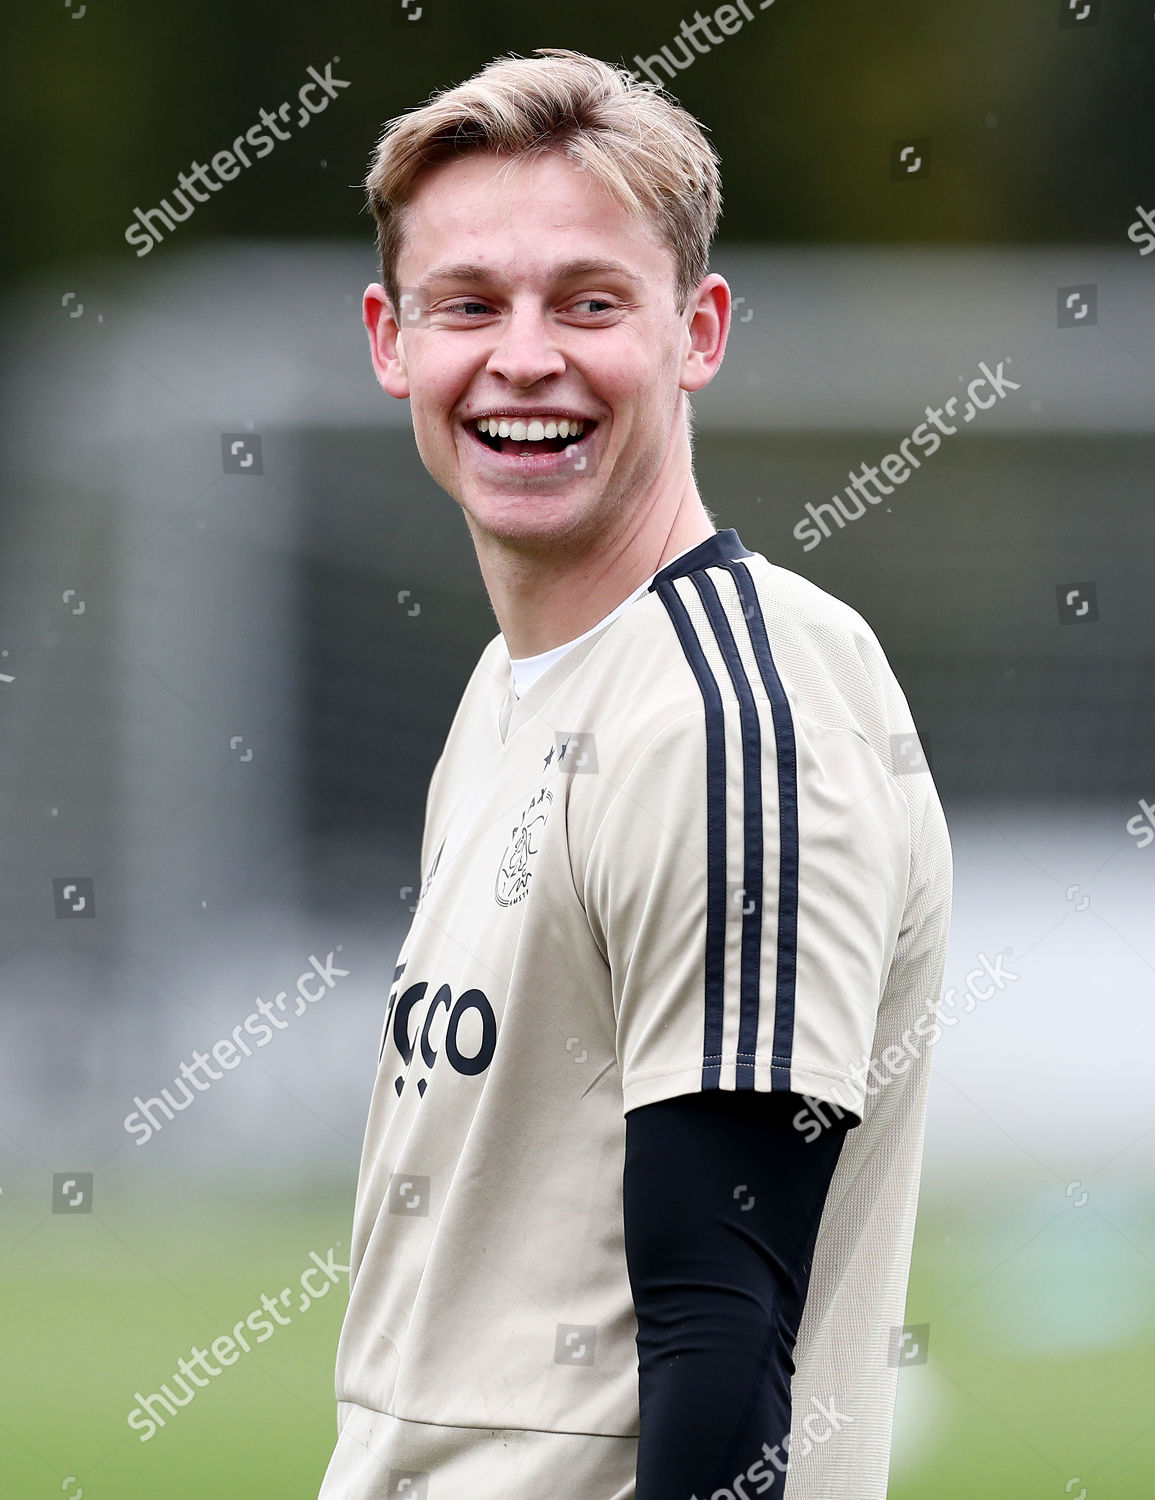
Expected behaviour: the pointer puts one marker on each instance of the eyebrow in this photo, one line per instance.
(570, 271)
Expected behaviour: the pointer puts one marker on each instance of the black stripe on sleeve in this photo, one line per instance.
(751, 892)
(715, 956)
(787, 760)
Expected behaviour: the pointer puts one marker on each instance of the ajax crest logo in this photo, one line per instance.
(512, 884)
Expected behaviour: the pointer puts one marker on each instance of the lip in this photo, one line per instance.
(546, 466)
(527, 413)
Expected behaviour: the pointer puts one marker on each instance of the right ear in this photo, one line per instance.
(385, 347)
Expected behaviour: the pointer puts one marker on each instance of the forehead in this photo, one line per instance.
(522, 221)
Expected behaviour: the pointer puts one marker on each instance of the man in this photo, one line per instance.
(636, 1202)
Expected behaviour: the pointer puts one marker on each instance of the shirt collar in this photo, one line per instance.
(722, 547)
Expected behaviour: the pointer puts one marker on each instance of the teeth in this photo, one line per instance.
(533, 431)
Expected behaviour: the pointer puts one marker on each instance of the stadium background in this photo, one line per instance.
(223, 692)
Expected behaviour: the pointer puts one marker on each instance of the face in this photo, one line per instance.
(547, 359)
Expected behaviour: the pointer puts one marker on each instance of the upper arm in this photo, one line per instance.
(748, 912)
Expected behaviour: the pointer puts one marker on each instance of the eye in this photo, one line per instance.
(597, 304)
(468, 307)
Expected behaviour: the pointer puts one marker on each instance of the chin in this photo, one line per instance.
(529, 518)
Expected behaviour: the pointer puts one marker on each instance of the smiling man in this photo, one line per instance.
(637, 1195)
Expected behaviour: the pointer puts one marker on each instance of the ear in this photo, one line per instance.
(707, 322)
(385, 347)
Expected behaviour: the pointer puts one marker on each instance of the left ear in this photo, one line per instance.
(707, 324)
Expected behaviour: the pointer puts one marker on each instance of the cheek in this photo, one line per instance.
(650, 364)
(427, 412)
(439, 370)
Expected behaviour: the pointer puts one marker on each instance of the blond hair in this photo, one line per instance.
(644, 149)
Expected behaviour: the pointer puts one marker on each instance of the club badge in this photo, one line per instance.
(512, 884)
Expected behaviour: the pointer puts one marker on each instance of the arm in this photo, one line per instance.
(722, 1201)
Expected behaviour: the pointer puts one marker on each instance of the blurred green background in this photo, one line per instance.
(106, 1309)
(154, 608)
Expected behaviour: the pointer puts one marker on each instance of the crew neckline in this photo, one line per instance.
(525, 670)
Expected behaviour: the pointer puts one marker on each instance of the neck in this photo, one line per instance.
(544, 600)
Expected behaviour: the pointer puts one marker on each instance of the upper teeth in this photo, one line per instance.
(532, 431)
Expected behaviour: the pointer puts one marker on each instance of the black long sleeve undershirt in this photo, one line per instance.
(722, 1200)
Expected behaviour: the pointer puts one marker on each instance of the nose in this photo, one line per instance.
(526, 350)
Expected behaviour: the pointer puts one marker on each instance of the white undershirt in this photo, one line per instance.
(527, 669)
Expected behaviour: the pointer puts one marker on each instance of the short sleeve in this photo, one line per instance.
(746, 885)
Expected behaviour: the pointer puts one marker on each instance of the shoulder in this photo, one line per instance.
(741, 629)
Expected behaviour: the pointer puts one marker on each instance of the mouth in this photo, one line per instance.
(533, 440)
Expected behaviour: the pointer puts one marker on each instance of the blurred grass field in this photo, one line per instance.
(1040, 1370)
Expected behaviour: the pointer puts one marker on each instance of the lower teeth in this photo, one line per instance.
(547, 445)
